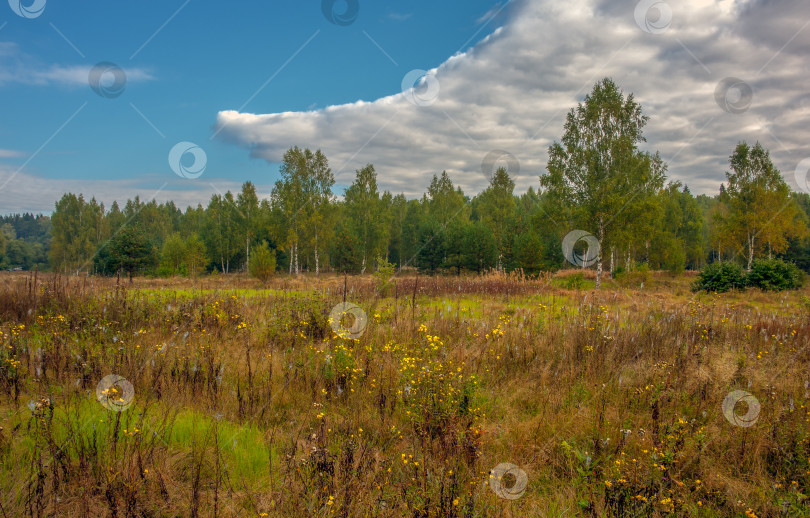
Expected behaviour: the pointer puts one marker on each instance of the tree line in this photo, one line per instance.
(24, 241)
(598, 180)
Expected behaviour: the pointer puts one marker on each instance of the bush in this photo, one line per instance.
(775, 275)
(574, 282)
(385, 271)
(263, 262)
(720, 277)
(639, 276)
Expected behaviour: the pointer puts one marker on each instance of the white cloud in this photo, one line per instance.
(10, 153)
(492, 13)
(30, 193)
(399, 17)
(21, 68)
(512, 92)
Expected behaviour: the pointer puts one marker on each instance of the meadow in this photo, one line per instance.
(493, 395)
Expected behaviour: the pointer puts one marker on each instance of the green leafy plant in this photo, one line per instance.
(720, 277)
(383, 274)
(775, 275)
(575, 281)
(263, 262)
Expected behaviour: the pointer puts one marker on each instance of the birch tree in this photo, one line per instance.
(760, 210)
(366, 214)
(598, 169)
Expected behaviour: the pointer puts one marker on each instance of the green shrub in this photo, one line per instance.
(574, 282)
(263, 262)
(775, 275)
(720, 277)
(385, 271)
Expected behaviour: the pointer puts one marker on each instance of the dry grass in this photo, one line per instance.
(248, 403)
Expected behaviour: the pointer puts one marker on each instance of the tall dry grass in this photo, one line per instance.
(247, 403)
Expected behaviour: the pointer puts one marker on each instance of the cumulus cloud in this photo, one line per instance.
(511, 92)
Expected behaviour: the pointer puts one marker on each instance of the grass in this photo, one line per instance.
(247, 402)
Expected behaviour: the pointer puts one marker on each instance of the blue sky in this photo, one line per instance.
(209, 56)
(246, 81)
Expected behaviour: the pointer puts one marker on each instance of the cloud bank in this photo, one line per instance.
(511, 92)
(24, 192)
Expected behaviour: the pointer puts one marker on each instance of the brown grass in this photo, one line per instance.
(248, 403)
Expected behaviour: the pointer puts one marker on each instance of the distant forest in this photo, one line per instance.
(598, 181)
(445, 230)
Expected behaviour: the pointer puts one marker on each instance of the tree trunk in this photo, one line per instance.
(750, 251)
(295, 247)
(612, 257)
(317, 264)
(599, 254)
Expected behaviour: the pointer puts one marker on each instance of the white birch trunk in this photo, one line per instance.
(750, 251)
(317, 264)
(599, 254)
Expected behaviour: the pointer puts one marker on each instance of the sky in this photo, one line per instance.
(182, 99)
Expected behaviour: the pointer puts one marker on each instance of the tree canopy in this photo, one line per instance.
(598, 181)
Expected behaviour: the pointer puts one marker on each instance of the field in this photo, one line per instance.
(231, 398)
